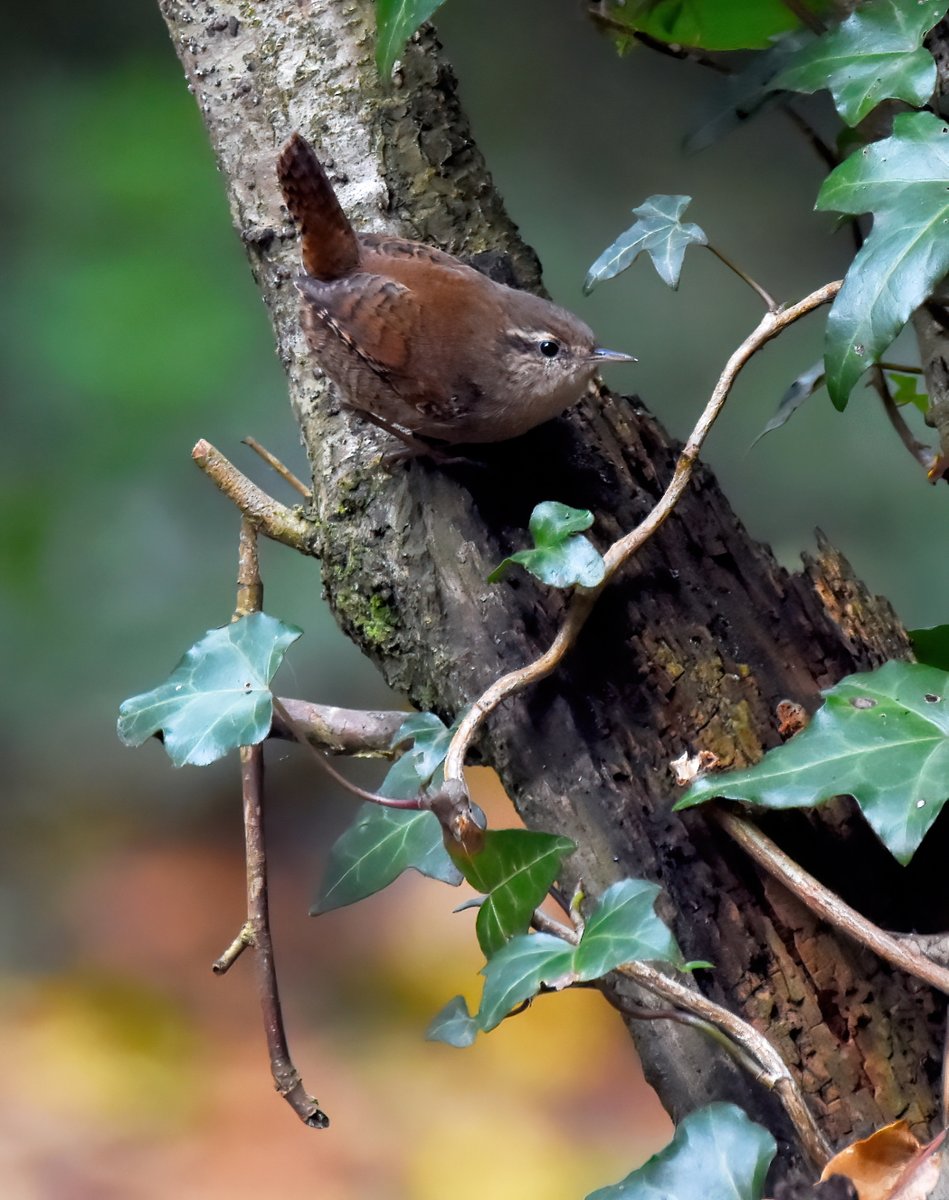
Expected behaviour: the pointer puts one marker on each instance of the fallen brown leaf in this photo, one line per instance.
(890, 1164)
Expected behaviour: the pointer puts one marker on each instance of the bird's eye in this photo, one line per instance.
(549, 348)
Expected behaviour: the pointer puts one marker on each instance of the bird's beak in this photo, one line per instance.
(599, 355)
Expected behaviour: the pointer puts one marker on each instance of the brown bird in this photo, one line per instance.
(420, 343)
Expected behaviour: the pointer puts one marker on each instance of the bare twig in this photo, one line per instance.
(283, 471)
(274, 520)
(771, 324)
(223, 963)
(250, 588)
(827, 904)
(286, 1076)
(256, 931)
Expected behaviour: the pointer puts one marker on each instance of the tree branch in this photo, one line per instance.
(273, 519)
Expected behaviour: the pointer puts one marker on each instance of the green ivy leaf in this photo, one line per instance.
(515, 868)
(875, 54)
(906, 390)
(560, 558)
(454, 1025)
(379, 845)
(880, 736)
(904, 181)
(716, 1153)
(519, 970)
(623, 927)
(797, 392)
(931, 646)
(746, 92)
(710, 24)
(659, 232)
(218, 696)
(414, 768)
(396, 21)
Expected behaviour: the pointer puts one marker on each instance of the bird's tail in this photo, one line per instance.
(328, 245)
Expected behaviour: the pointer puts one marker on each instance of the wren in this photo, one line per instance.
(417, 341)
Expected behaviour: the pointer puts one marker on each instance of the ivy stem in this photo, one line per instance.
(750, 1049)
(773, 1072)
(415, 803)
(583, 600)
(770, 303)
(827, 904)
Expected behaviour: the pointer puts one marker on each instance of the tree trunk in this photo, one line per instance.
(693, 647)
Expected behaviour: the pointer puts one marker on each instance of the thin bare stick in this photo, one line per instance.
(286, 1076)
(283, 471)
(827, 904)
(223, 963)
(583, 600)
(256, 931)
(250, 587)
(769, 302)
(273, 519)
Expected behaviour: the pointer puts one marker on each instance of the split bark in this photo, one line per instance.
(693, 648)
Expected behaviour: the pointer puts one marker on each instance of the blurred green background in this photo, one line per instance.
(131, 328)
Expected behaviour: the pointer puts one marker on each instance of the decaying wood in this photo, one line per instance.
(693, 648)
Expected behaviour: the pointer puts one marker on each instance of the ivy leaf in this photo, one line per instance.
(396, 21)
(560, 558)
(659, 232)
(519, 970)
(379, 845)
(454, 1025)
(876, 54)
(904, 181)
(710, 24)
(218, 696)
(414, 768)
(906, 390)
(746, 92)
(716, 1153)
(931, 646)
(880, 736)
(797, 392)
(623, 927)
(515, 868)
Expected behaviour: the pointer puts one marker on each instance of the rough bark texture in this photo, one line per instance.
(694, 647)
